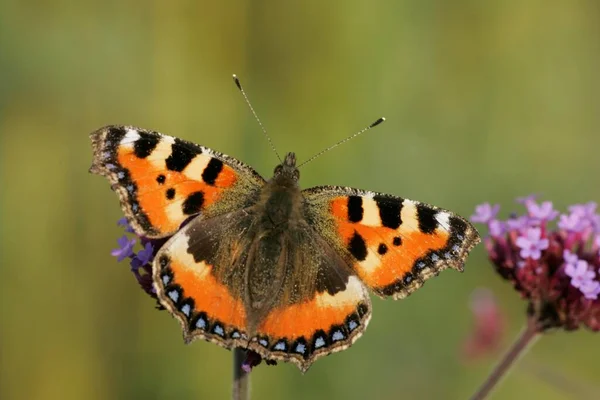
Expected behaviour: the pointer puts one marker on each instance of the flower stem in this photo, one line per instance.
(241, 380)
(524, 340)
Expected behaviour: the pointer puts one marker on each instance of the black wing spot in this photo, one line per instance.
(170, 193)
(389, 211)
(382, 249)
(355, 209)
(181, 155)
(357, 247)
(144, 146)
(426, 216)
(397, 241)
(212, 171)
(161, 179)
(164, 261)
(362, 309)
(193, 204)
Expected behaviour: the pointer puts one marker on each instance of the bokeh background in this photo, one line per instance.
(485, 101)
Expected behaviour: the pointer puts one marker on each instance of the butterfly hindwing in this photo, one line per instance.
(199, 279)
(161, 181)
(323, 307)
(394, 244)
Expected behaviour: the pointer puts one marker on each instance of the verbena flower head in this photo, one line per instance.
(555, 267)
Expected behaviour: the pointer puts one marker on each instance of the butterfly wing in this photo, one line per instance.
(161, 181)
(394, 244)
(199, 277)
(323, 306)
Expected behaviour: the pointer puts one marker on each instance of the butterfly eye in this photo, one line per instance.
(296, 174)
(278, 169)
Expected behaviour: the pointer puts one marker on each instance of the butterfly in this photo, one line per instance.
(263, 265)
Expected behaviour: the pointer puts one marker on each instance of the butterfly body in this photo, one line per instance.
(265, 265)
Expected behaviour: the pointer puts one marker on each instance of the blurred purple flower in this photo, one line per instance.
(517, 223)
(586, 210)
(569, 257)
(125, 248)
(580, 273)
(571, 222)
(532, 244)
(484, 213)
(541, 212)
(590, 289)
(141, 263)
(526, 199)
(143, 256)
(497, 228)
(123, 222)
(489, 325)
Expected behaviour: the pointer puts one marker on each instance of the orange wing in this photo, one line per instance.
(325, 310)
(303, 332)
(161, 181)
(204, 293)
(394, 244)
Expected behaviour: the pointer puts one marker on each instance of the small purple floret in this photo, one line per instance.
(541, 212)
(527, 199)
(569, 257)
(519, 223)
(496, 228)
(125, 248)
(586, 210)
(484, 213)
(143, 257)
(146, 254)
(532, 244)
(123, 222)
(579, 273)
(590, 289)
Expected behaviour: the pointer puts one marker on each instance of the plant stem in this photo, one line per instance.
(241, 380)
(524, 340)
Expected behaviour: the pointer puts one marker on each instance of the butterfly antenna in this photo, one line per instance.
(319, 154)
(239, 85)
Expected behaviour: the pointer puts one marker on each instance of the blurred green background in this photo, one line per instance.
(485, 101)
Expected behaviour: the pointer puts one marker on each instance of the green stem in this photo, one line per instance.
(241, 380)
(524, 340)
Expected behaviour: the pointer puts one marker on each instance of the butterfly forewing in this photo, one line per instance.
(393, 244)
(162, 181)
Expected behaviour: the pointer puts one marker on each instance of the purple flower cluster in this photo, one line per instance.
(557, 269)
(140, 262)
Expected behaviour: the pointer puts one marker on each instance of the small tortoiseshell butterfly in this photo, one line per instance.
(264, 265)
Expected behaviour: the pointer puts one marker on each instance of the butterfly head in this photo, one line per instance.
(287, 170)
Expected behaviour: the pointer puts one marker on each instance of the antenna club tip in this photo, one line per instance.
(237, 81)
(374, 124)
